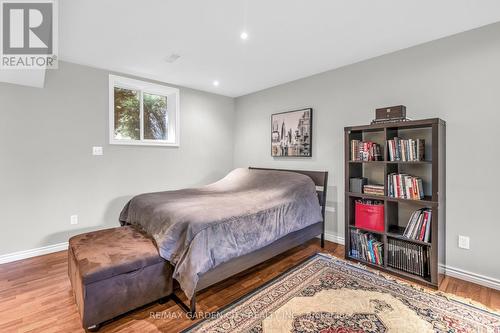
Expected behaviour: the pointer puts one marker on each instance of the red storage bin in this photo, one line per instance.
(368, 216)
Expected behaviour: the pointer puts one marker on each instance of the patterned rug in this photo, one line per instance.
(328, 295)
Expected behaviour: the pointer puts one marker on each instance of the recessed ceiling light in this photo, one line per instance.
(244, 35)
(216, 83)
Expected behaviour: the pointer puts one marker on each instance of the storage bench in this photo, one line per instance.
(114, 271)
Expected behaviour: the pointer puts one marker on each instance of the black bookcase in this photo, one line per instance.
(433, 172)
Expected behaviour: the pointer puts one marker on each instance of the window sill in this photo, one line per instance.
(144, 143)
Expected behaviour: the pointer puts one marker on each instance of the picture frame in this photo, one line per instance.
(291, 133)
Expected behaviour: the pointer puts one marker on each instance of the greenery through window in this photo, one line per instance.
(155, 117)
(143, 112)
(127, 114)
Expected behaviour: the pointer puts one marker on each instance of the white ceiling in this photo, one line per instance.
(288, 39)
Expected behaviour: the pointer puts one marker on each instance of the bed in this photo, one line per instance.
(216, 231)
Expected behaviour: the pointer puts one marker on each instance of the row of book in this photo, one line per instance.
(419, 225)
(367, 247)
(406, 149)
(409, 257)
(374, 189)
(365, 151)
(400, 185)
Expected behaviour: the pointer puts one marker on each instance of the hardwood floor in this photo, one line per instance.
(36, 296)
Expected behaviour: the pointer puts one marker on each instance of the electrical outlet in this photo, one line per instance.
(97, 151)
(464, 242)
(73, 219)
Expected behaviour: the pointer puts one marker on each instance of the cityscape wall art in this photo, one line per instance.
(291, 134)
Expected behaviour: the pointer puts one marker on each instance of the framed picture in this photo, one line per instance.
(291, 133)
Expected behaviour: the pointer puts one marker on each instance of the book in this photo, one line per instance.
(366, 246)
(419, 225)
(423, 228)
(427, 234)
(407, 150)
(374, 189)
(411, 223)
(365, 151)
(404, 186)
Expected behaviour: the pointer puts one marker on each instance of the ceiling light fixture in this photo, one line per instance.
(244, 35)
(216, 83)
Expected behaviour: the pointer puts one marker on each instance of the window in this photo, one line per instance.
(142, 113)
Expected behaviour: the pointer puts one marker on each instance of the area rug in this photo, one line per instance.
(329, 295)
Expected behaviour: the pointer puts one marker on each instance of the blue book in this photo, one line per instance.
(372, 254)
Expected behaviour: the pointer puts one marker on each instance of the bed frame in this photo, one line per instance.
(239, 264)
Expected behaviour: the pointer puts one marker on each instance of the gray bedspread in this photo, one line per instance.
(197, 229)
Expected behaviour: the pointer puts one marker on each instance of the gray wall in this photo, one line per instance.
(47, 171)
(456, 79)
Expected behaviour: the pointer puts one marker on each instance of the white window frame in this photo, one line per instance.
(173, 108)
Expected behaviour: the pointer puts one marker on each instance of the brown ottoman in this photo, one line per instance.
(114, 271)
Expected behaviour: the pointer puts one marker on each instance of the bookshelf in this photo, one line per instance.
(397, 211)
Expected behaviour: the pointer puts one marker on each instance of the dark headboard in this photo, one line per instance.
(320, 179)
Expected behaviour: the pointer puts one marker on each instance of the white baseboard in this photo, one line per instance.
(10, 257)
(471, 277)
(447, 270)
(334, 238)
